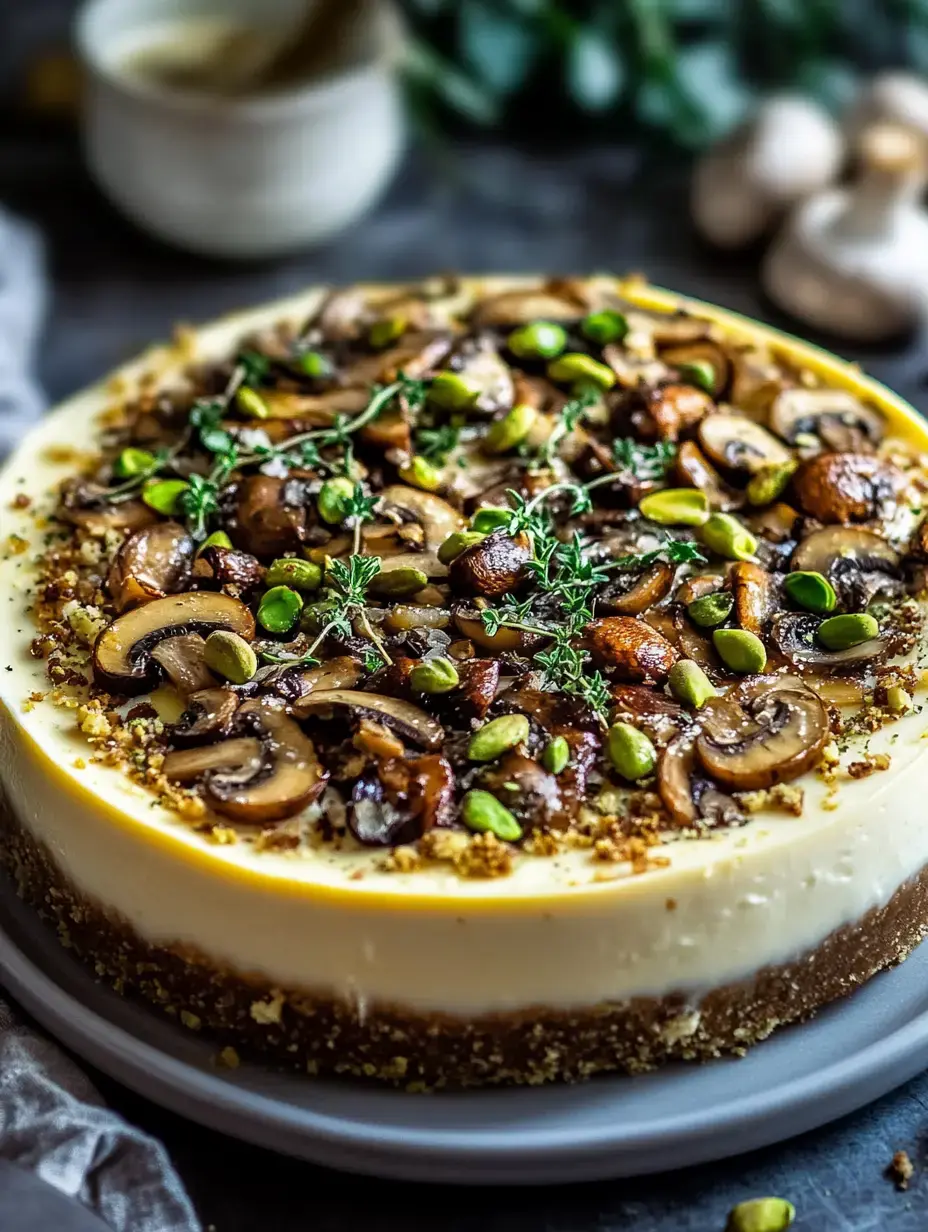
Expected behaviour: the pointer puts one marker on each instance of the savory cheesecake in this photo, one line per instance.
(485, 681)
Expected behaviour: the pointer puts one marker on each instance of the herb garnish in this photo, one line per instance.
(644, 461)
(434, 444)
(571, 414)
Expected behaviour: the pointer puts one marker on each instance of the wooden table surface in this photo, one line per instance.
(482, 209)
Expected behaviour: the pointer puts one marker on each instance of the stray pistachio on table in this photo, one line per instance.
(490, 518)
(604, 326)
(497, 737)
(761, 1215)
(850, 629)
(438, 675)
(770, 482)
(250, 403)
(279, 609)
(740, 650)
(728, 537)
(230, 656)
(575, 366)
(333, 498)
(504, 434)
(457, 542)
(675, 507)
(293, 572)
(420, 473)
(133, 462)
(711, 610)
(689, 684)
(453, 391)
(165, 496)
(482, 812)
(811, 591)
(630, 751)
(556, 755)
(537, 340)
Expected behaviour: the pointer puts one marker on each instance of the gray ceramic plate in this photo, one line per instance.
(805, 1076)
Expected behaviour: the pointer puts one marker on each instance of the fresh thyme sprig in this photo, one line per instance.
(434, 444)
(674, 552)
(571, 414)
(644, 462)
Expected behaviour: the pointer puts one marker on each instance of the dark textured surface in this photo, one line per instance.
(488, 210)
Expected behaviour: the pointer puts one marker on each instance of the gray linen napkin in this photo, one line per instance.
(53, 1123)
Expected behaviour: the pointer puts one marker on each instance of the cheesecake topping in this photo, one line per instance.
(505, 565)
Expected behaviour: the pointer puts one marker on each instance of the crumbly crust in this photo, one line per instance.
(310, 1032)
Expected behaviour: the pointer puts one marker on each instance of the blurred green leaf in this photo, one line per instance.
(595, 70)
(707, 74)
(498, 46)
(830, 82)
(426, 68)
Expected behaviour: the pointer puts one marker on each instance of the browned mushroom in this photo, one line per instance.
(437, 518)
(471, 698)
(342, 672)
(794, 636)
(698, 586)
(85, 504)
(631, 593)
(404, 617)
(416, 354)
(270, 516)
(836, 417)
(658, 716)
(208, 717)
(703, 352)
(480, 363)
(408, 721)
(678, 328)
(122, 657)
(859, 564)
(629, 648)
(847, 487)
(313, 410)
(182, 659)
(739, 444)
(242, 756)
(756, 381)
(401, 800)
(391, 430)
(668, 410)
(503, 641)
(494, 566)
(689, 798)
(151, 563)
(755, 596)
(228, 567)
(525, 787)
(342, 315)
(769, 730)
(693, 468)
(531, 303)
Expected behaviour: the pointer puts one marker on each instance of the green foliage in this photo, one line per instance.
(687, 69)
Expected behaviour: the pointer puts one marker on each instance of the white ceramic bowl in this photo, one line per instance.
(243, 177)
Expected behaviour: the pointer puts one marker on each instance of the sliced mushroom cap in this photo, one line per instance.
(677, 328)
(408, 721)
(288, 778)
(769, 730)
(847, 487)
(152, 562)
(342, 672)
(485, 370)
(503, 641)
(794, 636)
(668, 410)
(314, 410)
(630, 649)
(756, 382)
(755, 596)
(183, 660)
(242, 756)
(342, 315)
(521, 306)
(270, 520)
(631, 593)
(122, 657)
(859, 564)
(740, 444)
(391, 430)
(228, 567)
(471, 698)
(404, 799)
(703, 352)
(658, 715)
(416, 354)
(692, 467)
(208, 717)
(494, 566)
(690, 799)
(437, 518)
(525, 787)
(839, 419)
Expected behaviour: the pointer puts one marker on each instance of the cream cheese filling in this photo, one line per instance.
(562, 931)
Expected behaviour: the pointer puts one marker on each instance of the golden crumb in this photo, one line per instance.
(267, 1013)
(870, 764)
(901, 1169)
(222, 836)
(402, 860)
(17, 544)
(190, 1021)
(783, 796)
(93, 722)
(484, 856)
(79, 763)
(228, 1058)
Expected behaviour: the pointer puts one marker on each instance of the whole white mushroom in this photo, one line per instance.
(890, 98)
(789, 149)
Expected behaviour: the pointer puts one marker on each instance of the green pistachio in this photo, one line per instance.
(386, 330)
(504, 434)
(333, 498)
(810, 591)
(538, 340)
(315, 615)
(398, 583)
(711, 610)
(604, 326)
(218, 539)
(434, 676)
(482, 812)
(250, 403)
(676, 507)
(314, 364)
(725, 535)
(165, 496)
(495, 737)
(556, 755)
(689, 684)
(699, 373)
(898, 700)
(761, 1215)
(740, 650)
(491, 518)
(453, 391)
(133, 462)
(230, 656)
(770, 482)
(420, 473)
(295, 573)
(577, 367)
(630, 751)
(843, 632)
(279, 609)
(456, 543)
